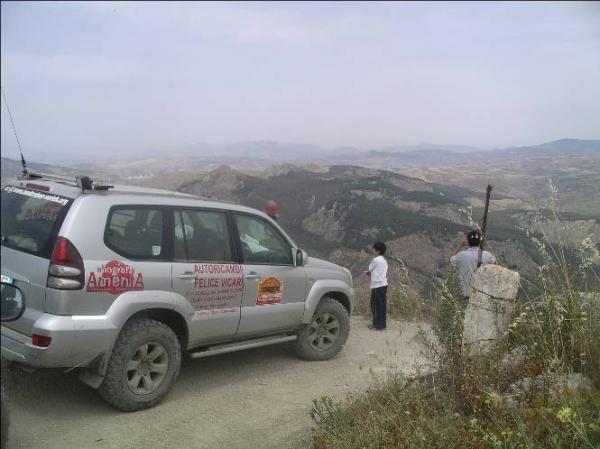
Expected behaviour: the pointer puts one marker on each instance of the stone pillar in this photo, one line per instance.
(490, 309)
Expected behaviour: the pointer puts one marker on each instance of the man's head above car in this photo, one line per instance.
(271, 210)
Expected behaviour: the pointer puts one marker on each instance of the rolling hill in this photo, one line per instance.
(338, 213)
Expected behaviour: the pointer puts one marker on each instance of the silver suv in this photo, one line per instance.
(121, 280)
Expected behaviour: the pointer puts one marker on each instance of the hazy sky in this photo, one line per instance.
(131, 76)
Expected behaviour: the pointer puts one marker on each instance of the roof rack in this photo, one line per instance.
(84, 182)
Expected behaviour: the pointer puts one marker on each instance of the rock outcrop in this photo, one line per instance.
(328, 223)
(493, 292)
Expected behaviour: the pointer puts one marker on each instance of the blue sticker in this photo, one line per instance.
(7, 279)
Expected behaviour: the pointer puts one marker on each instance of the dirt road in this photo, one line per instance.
(252, 399)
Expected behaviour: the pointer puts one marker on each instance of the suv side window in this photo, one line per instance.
(202, 236)
(136, 232)
(261, 242)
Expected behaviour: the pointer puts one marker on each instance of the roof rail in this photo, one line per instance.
(81, 181)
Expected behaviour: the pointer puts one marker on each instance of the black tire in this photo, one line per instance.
(309, 338)
(116, 387)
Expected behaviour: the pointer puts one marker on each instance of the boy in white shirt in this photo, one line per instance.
(378, 274)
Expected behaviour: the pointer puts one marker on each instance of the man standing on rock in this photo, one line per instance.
(271, 210)
(378, 274)
(466, 258)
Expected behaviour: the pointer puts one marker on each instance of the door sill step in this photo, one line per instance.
(241, 345)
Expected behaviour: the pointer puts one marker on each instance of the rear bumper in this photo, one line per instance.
(76, 341)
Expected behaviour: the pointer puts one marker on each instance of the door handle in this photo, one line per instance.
(187, 275)
(252, 276)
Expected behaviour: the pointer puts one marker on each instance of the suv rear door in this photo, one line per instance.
(31, 219)
(206, 273)
(274, 289)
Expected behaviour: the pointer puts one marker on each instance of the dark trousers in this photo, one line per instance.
(379, 306)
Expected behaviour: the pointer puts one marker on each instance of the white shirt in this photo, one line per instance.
(378, 268)
(466, 262)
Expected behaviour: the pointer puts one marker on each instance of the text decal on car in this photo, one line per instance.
(115, 277)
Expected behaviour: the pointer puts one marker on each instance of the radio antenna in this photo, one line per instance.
(23, 164)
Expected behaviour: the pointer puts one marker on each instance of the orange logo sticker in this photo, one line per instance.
(270, 291)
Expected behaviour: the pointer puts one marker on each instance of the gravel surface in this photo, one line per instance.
(253, 399)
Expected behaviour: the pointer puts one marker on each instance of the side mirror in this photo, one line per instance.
(12, 302)
(301, 258)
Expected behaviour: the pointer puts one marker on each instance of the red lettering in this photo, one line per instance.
(115, 277)
(206, 283)
(91, 281)
(139, 282)
(217, 268)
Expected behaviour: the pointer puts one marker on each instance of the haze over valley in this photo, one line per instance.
(335, 204)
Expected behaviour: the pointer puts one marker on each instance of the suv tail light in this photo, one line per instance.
(66, 271)
(41, 341)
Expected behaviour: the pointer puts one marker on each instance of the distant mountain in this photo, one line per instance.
(422, 154)
(206, 156)
(562, 147)
(429, 147)
(436, 155)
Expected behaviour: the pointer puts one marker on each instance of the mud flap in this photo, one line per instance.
(93, 374)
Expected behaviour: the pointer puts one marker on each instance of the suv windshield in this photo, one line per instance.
(31, 219)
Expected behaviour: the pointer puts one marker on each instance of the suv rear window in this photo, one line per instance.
(202, 236)
(31, 219)
(136, 232)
